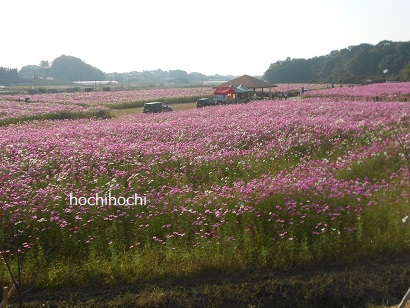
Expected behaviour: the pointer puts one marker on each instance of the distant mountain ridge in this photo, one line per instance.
(64, 68)
(69, 69)
(363, 63)
(354, 64)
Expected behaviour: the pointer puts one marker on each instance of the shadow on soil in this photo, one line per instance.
(378, 284)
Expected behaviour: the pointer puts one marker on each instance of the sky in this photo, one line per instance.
(210, 37)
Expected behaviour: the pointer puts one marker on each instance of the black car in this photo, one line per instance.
(203, 102)
(155, 107)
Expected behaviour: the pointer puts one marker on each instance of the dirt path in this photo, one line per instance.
(176, 107)
(129, 111)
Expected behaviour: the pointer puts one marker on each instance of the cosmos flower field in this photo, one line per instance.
(273, 183)
(14, 108)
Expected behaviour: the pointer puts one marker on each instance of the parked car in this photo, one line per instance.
(203, 102)
(155, 107)
(304, 90)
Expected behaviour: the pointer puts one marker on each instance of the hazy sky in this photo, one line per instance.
(210, 37)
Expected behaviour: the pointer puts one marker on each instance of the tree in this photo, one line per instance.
(179, 76)
(291, 71)
(9, 76)
(44, 64)
(30, 72)
(196, 77)
(69, 68)
(354, 64)
(405, 72)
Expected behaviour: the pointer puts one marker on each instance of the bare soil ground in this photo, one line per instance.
(381, 283)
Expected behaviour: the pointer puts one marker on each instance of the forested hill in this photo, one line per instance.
(355, 64)
(63, 68)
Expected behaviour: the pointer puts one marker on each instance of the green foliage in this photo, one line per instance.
(135, 104)
(405, 73)
(102, 113)
(68, 68)
(64, 68)
(374, 168)
(291, 71)
(354, 64)
(42, 90)
(8, 76)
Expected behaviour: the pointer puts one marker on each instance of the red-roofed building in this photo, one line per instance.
(232, 95)
(224, 95)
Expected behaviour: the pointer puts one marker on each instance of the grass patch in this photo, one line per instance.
(62, 115)
(373, 168)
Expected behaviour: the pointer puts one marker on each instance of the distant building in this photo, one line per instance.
(214, 82)
(250, 83)
(96, 82)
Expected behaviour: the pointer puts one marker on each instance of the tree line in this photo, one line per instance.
(69, 69)
(363, 63)
(62, 69)
(9, 76)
